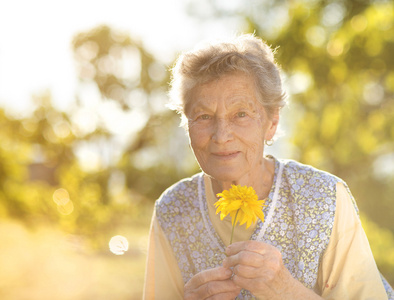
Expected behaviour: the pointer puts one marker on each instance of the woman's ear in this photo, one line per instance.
(273, 124)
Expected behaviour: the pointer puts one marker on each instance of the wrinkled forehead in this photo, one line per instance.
(234, 90)
(233, 101)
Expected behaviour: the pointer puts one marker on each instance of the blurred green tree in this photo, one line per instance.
(342, 52)
(125, 72)
(33, 150)
(43, 178)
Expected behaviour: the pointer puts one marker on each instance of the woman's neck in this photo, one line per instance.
(261, 181)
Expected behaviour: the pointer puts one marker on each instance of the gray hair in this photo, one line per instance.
(245, 53)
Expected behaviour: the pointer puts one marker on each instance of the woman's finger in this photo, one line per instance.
(252, 246)
(225, 296)
(244, 257)
(205, 276)
(211, 284)
(246, 271)
(216, 288)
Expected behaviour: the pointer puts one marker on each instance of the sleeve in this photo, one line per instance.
(348, 269)
(163, 279)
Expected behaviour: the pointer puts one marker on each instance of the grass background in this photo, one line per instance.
(47, 264)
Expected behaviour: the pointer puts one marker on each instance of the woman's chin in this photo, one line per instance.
(225, 178)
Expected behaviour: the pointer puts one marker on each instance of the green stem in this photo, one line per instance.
(232, 231)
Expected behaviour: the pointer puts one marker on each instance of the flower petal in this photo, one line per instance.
(242, 199)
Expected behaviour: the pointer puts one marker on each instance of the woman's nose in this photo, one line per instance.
(222, 131)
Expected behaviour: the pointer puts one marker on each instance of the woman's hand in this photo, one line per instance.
(211, 284)
(258, 267)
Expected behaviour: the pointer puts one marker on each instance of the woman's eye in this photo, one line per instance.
(241, 114)
(205, 117)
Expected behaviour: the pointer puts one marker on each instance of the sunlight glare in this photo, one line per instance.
(373, 93)
(316, 36)
(333, 14)
(89, 157)
(118, 245)
(120, 122)
(85, 121)
(299, 82)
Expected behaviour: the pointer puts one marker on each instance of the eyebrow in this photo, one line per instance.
(193, 109)
(247, 103)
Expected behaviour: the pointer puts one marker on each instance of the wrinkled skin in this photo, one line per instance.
(258, 267)
(251, 265)
(227, 129)
(211, 284)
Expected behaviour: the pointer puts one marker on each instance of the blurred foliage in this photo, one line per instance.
(44, 181)
(345, 110)
(126, 73)
(117, 64)
(345, 118)
(382, 245)
(337, 65)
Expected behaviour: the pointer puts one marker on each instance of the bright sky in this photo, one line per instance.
(35, 40)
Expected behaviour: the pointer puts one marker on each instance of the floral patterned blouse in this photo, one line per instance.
(300, 216)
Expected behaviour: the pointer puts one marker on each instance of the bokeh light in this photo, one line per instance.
(118, 245)
(62, 198)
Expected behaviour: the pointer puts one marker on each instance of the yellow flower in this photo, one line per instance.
(242, 202)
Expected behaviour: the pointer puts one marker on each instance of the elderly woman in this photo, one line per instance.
(311, 244)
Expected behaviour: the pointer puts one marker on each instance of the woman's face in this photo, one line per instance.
(227, 129)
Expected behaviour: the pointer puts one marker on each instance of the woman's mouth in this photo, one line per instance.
(225, 155)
